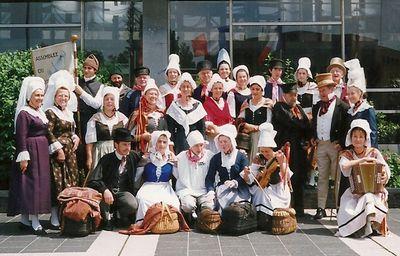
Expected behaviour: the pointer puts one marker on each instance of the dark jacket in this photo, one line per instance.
(339, 125)
(106, 174)
(290, 128)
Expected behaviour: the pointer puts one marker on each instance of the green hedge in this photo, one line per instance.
(14, 67)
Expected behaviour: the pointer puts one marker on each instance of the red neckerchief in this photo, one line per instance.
(357, 105)
(296, 112)
(193, 157)
(325, 106)
(141, 120)
(138, 88)
(203, 90)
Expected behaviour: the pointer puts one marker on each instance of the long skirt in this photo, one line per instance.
(357, 212)
(100, 149)
(30, 192)
(64, 174)
(154, 192)
(271, 197)
(226, 196)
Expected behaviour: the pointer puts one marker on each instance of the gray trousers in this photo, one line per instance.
(125, 204)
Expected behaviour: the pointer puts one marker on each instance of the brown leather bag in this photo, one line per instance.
(208, 221)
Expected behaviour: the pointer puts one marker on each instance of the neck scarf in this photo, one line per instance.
(193, 157)
(325, 106)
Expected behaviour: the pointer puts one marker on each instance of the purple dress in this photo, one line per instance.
(30, 192)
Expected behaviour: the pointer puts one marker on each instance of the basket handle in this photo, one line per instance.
(166, 208)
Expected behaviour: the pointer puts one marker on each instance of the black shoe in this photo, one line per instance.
(53, 227)
(107, 225)
(39, 232)
(320, 214)
(24, 227)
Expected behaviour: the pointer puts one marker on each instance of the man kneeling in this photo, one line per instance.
(114, 177)
(192, 168)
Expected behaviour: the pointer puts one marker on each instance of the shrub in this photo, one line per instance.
(393, 160)
(14, 67)
(388, 131)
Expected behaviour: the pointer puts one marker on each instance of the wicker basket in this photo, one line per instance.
(208, 221)
(168, 223)
(284, 221)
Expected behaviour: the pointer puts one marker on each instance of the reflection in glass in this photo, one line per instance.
(286, 10)
(113, 31)
(198, 31)
(252, 44)
(24, 38)
(55, 12)
(373, 36)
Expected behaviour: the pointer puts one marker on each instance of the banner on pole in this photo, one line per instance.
(50, 59)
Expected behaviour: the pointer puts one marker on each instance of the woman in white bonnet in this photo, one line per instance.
(29, 193)
(156, 176)
(277, 193)
(361, 215)
(101, 126)
(227, 164)
(59, 102)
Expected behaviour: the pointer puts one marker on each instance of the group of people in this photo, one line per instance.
(196, 146)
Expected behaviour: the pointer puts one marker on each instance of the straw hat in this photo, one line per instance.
(324, 79)
(336, 62)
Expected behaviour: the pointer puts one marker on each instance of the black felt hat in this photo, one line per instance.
(204, 65)
(275, 63)
(289, 87)
(141, 71)
(122, 134)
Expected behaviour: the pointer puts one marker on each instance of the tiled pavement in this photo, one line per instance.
(312, 238)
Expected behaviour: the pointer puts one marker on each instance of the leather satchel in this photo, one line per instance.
(239, 218)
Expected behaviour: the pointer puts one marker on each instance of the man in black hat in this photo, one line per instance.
(204, 71)
(130, 102)
(273, 88)
(114, 178)
(292, 125)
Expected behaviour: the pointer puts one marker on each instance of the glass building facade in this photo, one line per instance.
(132, 33)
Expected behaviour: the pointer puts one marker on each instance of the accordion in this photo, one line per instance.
(366, 178)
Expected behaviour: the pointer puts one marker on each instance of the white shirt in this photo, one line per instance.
(324, 123)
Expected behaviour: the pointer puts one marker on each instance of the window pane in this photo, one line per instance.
(198, 30)
(24, 38)
(252, 44)
(373, 36)
(113, 30)
(385, 100)
(286, 10)
(56, 12)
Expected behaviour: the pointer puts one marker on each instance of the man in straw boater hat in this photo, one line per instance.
(114, 178)
(273, 88)
(329, 132)
(293, 126)
(338, 70)
(170, 91)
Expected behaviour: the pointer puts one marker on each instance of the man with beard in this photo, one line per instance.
(169, 91)
(117, 80)
(292, 125)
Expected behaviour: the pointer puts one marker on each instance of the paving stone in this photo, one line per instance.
(70, 249)
(270, 250)
(205, 252)
(239, 250)
(10, 249)
(171, 251)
